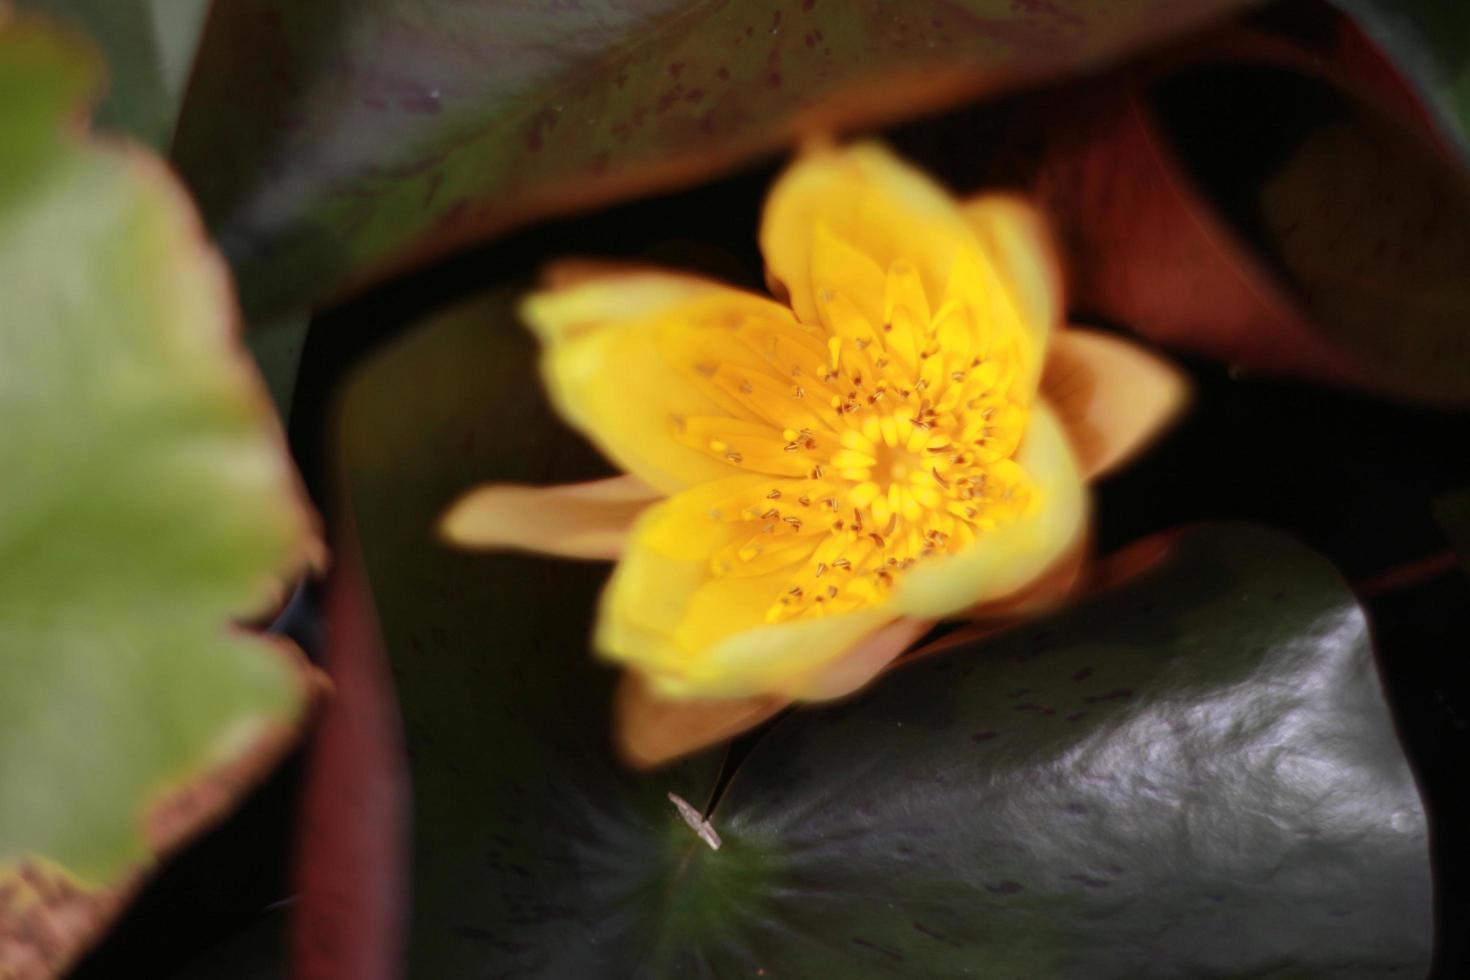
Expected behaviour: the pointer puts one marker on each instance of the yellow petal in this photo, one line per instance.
(1052, 589)
(621, 359)
(866, 660)
(860, 200)
(1006, 560)
(579, 520)
(862, 226)
(649, 730)
(1112, 396)
(694, 633)
(1021, 249)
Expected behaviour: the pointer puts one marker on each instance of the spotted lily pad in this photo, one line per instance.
(148, 504)
(331, 142)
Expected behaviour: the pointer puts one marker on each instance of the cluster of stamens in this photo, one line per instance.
(885, 444)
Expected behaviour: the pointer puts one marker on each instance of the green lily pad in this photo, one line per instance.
(1194, 774)
(149, 46)
(149, 503)
(330, 142)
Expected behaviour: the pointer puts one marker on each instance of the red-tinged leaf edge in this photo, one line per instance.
(1147, 246)
(352, 864)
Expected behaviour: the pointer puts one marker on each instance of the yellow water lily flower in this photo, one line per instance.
(810, 484)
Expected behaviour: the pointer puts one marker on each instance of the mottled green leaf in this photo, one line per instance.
(328, 142)
(148, 504)
(1193, 775)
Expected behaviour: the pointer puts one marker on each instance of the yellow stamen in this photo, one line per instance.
(918, 439)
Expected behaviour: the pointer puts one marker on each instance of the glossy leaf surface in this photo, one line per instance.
(330, 142)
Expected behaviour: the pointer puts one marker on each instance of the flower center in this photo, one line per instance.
(881, 445)
(894, 466)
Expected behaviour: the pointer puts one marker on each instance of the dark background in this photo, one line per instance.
(1352, 475)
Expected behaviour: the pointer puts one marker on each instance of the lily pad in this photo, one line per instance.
(330, 142)
(149, 503)
(1193, 774)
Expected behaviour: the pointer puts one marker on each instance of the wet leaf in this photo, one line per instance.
(331, 142)
(149, 504)
(1192, 775)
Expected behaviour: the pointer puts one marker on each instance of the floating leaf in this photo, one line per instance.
(329, 142)
(149, 502)
(1191, 774)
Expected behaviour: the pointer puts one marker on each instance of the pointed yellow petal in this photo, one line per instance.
(865, 201)
(649, 730)
(1008, 559)
(1112, 396)
(1020, 247)
(579, 520)
(693, 632)
(623, 360)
